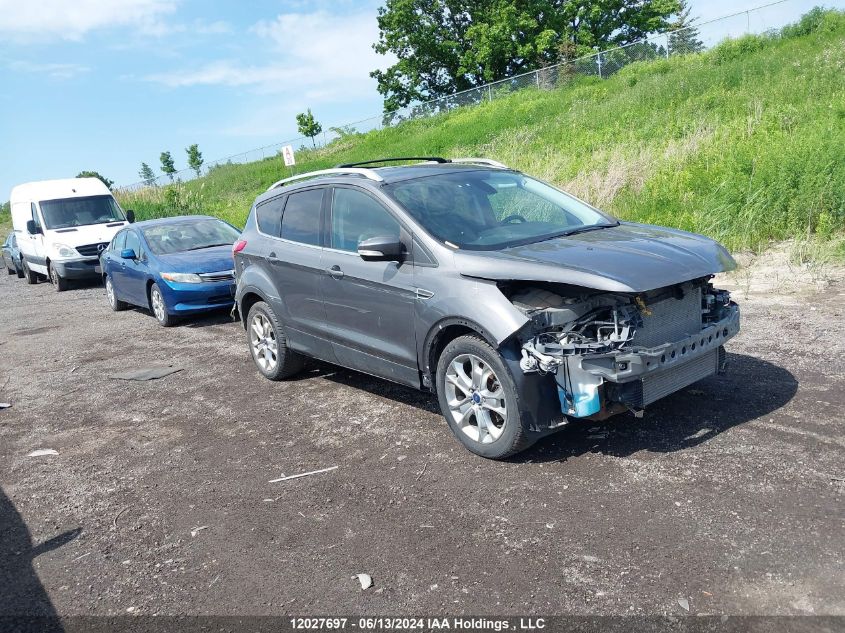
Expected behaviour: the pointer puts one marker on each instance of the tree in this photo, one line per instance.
(194, 158)
(167, 165)
(147, 174)
(308, 126)
(684, 36)
(445, 46)
(93, 174)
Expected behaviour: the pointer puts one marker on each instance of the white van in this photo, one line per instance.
(62, 227)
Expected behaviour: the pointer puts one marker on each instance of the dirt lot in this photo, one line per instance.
(728, 494)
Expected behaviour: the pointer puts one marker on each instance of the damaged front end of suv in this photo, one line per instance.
(610, 352)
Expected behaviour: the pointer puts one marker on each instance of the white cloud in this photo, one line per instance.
(56, 71)
(218, 27)
(72, 20)
(321, 54)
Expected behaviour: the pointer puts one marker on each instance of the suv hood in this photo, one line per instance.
(625, 258)
(205, 260)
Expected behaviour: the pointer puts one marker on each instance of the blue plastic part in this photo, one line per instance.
(586, 403)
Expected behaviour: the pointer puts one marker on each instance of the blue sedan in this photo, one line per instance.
(12, 255)
(172, 266)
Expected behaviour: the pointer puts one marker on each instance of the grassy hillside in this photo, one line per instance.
(745, 143)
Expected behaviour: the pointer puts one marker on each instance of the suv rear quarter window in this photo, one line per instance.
(268, 216)
(301, 220)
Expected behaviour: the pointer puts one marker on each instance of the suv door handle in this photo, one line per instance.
(271, 257)
(336, 272)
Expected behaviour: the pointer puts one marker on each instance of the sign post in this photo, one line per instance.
(289, 158)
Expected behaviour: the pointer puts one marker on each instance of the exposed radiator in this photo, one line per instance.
(661, 385)
(670, 320)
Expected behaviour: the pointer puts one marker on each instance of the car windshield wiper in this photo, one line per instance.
(197, 248)
(582, 229)
(591, 227)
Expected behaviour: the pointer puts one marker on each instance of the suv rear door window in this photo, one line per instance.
(356, 217)
(301, 219)
(269, 216)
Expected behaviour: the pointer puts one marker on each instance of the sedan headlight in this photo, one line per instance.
(182, 278)
(64, 251)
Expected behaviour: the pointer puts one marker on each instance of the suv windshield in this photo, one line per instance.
(70, 212)
(189, 236)
(489, 210)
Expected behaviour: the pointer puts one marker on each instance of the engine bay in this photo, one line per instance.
(594, 343)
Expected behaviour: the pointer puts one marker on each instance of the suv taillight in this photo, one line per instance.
(238, 246)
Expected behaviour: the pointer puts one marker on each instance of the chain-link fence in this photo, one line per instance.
(693, 39)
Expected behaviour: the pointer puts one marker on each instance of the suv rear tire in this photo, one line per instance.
(479, 399)
(263, 334)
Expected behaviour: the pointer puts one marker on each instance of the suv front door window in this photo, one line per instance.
(357, 217)
(369, 304)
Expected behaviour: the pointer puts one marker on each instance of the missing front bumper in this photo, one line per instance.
(637, 394)
(600, 385)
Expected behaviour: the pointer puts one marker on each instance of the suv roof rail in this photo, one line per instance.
(429, 159)
(349, 171)
(480, 161)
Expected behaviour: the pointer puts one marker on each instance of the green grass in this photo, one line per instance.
(745, 143)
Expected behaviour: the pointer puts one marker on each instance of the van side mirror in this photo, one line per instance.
(130, 216)
(32, 228)
(128, 253)
(382, 249)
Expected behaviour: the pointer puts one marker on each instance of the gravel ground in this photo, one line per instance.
(728, 495)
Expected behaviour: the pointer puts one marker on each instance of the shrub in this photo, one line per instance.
(732, 49)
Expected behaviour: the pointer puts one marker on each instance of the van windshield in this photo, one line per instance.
(71, 212)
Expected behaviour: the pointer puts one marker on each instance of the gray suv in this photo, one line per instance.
(520, 306)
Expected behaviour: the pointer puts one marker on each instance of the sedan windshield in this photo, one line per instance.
(490, 210)
(71, 212)
(191, 235)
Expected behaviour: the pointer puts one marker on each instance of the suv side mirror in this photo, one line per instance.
(383, 248)
(32, 228)
(128, 253)
(130, 216)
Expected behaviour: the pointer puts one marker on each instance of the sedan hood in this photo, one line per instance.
(206, 260)
(625, 258)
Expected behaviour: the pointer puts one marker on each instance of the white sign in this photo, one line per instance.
(287, 154)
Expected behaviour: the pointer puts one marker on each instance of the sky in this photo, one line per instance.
(106, 84)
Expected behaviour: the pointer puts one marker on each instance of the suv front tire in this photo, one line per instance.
(479, 400)
(268, 344)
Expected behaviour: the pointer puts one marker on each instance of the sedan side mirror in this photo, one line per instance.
(383, 248)
(32, 228)
(128, 253)
(130, 216)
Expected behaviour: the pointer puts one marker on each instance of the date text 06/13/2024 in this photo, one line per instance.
(417, 624)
